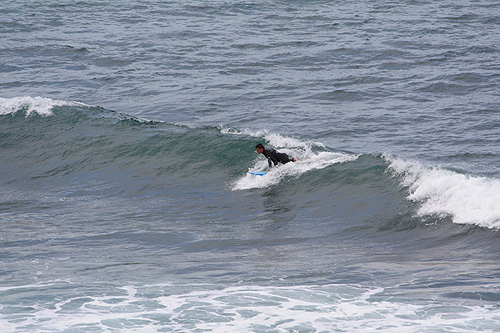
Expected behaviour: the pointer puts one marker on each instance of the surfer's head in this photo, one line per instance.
(260, 148)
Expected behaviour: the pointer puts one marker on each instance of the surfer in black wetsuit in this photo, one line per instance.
(273, 157)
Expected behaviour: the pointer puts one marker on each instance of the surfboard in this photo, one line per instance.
(258, 173)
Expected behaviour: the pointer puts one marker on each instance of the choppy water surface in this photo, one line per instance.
(127, 130)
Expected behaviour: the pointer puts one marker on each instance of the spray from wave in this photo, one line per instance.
(39, 105)
(311, 156)
(276, 174)
(467, 199)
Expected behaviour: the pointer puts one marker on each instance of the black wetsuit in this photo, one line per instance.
(274, 157)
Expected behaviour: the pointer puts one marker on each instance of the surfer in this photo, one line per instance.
(273, 156)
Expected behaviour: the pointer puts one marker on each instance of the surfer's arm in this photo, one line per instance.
(272, 160)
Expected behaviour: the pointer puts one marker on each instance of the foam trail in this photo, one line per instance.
(296, 148)
(276, 174)
(467, 199)
(40, 105)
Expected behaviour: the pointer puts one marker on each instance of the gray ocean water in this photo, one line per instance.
(127, 130)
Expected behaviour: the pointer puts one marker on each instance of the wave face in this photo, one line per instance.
(43, 138)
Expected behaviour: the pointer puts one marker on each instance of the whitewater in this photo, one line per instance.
(128, 131)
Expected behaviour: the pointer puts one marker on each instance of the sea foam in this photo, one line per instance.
(467, 199)
(311, 308)
(40, 105)
(275, 140)
(302, 150)
(276, 174)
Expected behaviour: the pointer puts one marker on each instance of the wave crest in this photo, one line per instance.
(40, 105)
(467, 199)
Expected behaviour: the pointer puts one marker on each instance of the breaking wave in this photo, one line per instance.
(43, 138)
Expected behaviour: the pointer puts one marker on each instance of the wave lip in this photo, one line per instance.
(40, 105)
(467, 199)
(274, 139)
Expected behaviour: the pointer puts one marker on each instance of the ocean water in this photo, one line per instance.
(128, 128)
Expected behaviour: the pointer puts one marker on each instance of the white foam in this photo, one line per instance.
(275, 140)
(277, 173)
(247, 309)
(467, 199)
(296, 148)
(40, 105)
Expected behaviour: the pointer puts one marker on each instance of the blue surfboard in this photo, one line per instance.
(258, 173)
